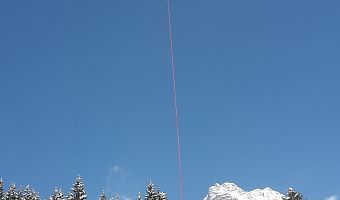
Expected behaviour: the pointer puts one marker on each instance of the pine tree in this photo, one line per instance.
(157, 196)
(11, 194)
(293, 195)
(102, 196)
(78, 191)
(21, 195)
(1, 189)
(28, 195)
(150, 192)
(139, 197)
(36, 195)
(160, 195)
(57, 195)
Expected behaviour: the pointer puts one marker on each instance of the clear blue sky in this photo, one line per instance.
(86, 89)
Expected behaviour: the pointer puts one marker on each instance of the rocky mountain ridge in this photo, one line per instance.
(230, 191)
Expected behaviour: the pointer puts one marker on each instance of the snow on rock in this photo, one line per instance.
(230, 191)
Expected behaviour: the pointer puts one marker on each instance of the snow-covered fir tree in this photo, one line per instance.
(28, 195)
(57, 195)
(150, 191)
(21, 195)
(152, 195)
(102, 196)
(77, 191)
(139, 197)
(1, 189)
(160, 195)
(12, 193)
(293, 195)
(36, 195)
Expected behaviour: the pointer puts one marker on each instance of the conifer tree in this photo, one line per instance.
(102, 196)
(293, 195)
(139, 197)
(160, 195)
(28, 195)
(21, 195)
(157, 196)
(57, 195)
(77, 191)
(150, 192)
(1, 189)
(12, 193)
(36, 195)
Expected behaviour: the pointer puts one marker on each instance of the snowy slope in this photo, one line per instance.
(230, 191)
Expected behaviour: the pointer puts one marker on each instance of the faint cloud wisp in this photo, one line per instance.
(334, 197)
(116, 180)
(124, 197)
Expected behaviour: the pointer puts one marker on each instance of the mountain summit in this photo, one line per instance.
(230, 191)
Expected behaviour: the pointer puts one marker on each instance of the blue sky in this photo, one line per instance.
(86, 89)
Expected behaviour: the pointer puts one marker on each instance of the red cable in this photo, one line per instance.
(175, 104)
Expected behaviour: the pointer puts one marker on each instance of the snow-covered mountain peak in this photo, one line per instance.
(230, 191)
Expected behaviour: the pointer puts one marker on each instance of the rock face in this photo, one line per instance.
(230, 191)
